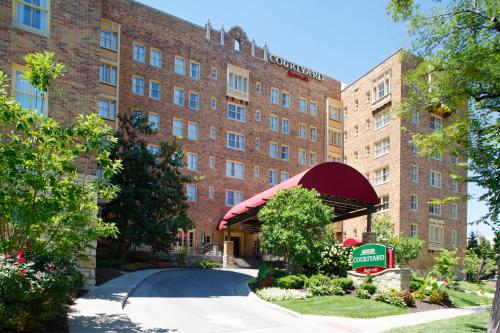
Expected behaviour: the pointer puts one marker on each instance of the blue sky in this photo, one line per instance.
(343, 39)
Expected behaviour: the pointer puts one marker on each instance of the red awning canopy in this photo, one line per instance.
(351, 242)
(340, 185)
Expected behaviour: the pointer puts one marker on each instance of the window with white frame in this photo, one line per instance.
(213, 133)
(313, 134)
(284, 176)
(109, 40)
(302, 157)
(415, 117)
(435, 209)
(285, 126)
(437, 156)
(285, 100)
(194, 101)
(337, 138)
(235, 169)
(367, 124)
(107, 108)
(238, 82)
(302, 131)
(435, 179)
(436, 123)
(211, 162)
(177, 128)
(258, 116)
(312, 158)
(32, 14)
(139, 53)
(213, 74)
(273, 123)
(382, 119)
(381, 176)
(275, 96)
(453, 210)
(454, 185)
(454, 158)
(356, 105)
(257, 143)
(137, 85)
(381, 88)
(382, 147)
(178, 96)
(367, 151)
(273, 150)
(192, 161)
(436, 233)
(414, 148)
(302, 105)
(213, 103)
(180, 66)
(194, 70)
(284, 153)
(28, 96)
(345, 136)
(273, 177)
(313, 108)
(384, 202)
(258, 88)
(107, 74)
(236, 112)
(414, 202)
(256, 171)
(345, 111)
(154, 89)
(235, 141)
(192, 192)
(233, 198)
(154, 121)
(413, 230)
(155, 57)
(192, 131)
(334, 113)
(414, 173)
(211, 192)
(453, 238)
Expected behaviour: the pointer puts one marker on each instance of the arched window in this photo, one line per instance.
(237, 45)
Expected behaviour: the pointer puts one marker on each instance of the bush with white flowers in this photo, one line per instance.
(336, 259)
(278, 294)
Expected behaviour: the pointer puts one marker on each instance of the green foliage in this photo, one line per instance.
(181, 257)
(336, 259)
(405, 248)
(476, 267)
(322, 285)
(151, 207)
(390, 298)
(383, 227)
(265, 270)
(205, 263)
(445, 264)
(369, 287)
(416, 282)
(439, 296)
(345, 283)
(111, 263)
(368, 278)
(293, 223)
(291, 281)
(46, 194)
(407, 297)
(362, 293)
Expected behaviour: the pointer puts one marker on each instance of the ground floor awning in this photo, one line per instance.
(340, 186)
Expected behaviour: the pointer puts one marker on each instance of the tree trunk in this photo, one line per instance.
(494, 326)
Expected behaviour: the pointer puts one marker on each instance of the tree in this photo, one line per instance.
(383, 227)
(151, 207)
(477, 267)
(47, 197)
(293, 224)
(445, 264)
(472, 243)
(458, 46)
(406, 248)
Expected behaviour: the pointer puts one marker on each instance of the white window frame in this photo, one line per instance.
(175, 127)
(136, 78)
(179, 96)
(239, 112)
(194, 103)
(414, 202)
(273, 150)
(197, 131)
(275, 96)
(155, 57)
(178, 68)
(194, 187)
(235, 169)
(382, 147)
(239, 141)
(193, 73)
(272, 177)
(110, 112)
(435, 179)
(137, 54)
(44, 13)
(151, 83)
(192, 161)
(382, 119)
(381, 176)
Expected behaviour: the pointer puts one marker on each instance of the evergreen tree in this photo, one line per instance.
(472, 241)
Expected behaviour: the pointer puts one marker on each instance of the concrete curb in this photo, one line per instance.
(138, 283)
(253, 295)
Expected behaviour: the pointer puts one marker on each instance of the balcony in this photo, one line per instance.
(379, 103)
(238, 94)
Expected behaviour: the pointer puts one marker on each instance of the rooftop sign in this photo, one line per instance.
(299, 71)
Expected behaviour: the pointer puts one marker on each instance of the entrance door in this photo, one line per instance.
(236, 246)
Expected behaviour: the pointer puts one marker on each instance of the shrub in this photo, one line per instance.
(267, 282)
(181, 258)
(416, 282)
(345, 283)
(278, 273)
(252, 281)
(291, 282)
(205, 263)
(362, 293)
(439, 296)
(277, 294)
(368, 278)
(266, 269)
(321, 285)
(407, 297)
(336, 259)
(390, 298)
(418, 295)
(369, 287)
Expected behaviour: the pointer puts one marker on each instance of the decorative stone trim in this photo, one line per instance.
(394, 278)
(228, 256)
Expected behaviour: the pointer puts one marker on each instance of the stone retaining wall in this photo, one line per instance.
(87, 267)
(395, 278)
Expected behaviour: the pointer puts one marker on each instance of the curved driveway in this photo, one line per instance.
(205, 300)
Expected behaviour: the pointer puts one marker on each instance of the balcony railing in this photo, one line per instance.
(238, 94)
(381, 101)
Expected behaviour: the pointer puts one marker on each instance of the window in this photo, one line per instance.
(139, 53)
(275, 96)
(437, 156)
(302, 157)
(238, 82)
(384, 201)
(213, 74)
(178, 96)
(235, 169)
(258, 116)
(313, 108)
(194, 101)
(33, 14)
(154, 89)
(192, 192)
(213, 103)
(436, 233)
(107, 74)
(302, 131)
(109, 40)
(367, 124)
(138, 85)
(415, 117)
(180, 66)
(194, 71)
(367, 151)
(414, 202)
(211, 162)
(345, 111)
(233, 198)
(235, 141)
(335, 113)
(414, 173)
(192, 131)
(435, 179)
(382, 147)
(436, 123)
(155, 57)
(381, 176)
(192, 162)
(312, 159)
(258, 88)
(454, 158)
(453, 238)
(313, 134)
(273, 123)
(382, 119)
(285, 126)
(337, 138)
(273, 177)
(177, 128)
(303, 105)
(381, 89)
(356, 156)
(213, 133)
(284, 153)
(284, 176)
(257, 143)
(435, 209)
(345, 136)
(106, 108)
(285, 100)
(237, 45)
(28, 96)
(256, 171)
(356, 130)
(454, 185)
(211, 193)
(273, 150)
(413, 230)
(236, 112)
(453, 210)
(154, 121)
(356, 105)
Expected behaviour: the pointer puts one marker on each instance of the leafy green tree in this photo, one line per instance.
(476, 267)
(151, 207)
(445, 264)
(47, 197)
(293, 224)
(472, 242)
(383, 227)
(406, 248)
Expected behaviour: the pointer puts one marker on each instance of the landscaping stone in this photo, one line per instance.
(394, 278)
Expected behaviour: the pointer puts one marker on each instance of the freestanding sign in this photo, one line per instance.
(372, 258)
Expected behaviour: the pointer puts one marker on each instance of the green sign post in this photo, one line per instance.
(372, 258)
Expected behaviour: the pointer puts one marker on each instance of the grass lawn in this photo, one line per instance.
(342, 306)
(460, 299)
(474, 323)
(475, 287)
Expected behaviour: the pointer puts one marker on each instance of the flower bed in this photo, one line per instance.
(277, 294)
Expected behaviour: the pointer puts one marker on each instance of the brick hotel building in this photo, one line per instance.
(249, 119)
